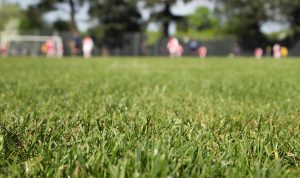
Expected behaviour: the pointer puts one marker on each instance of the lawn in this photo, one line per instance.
(149, 117)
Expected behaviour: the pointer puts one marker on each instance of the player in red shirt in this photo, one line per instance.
(3, 49)
(172, 46)
(49, 48)
(202, 52)
(179, 51)
(258, 53)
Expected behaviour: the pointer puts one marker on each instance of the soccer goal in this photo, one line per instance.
(20, 45)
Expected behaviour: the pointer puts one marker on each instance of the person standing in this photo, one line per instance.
(268, 51)
(172, 46)
(277, 51)
(50, 48)
(193, 46)
(258, 53)
(87, 46)
(284, 51)
(4, 48)
(202, 52)
(179, 51)
(75, 44)
(236, 50)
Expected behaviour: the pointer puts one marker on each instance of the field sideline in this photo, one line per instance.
(150, 118)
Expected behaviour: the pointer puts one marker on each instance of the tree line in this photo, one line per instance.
(113, 18)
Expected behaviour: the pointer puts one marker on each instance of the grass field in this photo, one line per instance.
(149, 118)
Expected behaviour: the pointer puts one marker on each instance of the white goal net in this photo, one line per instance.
(20, 45)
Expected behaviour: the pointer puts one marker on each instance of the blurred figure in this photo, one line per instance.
(269, 51)
(202, 52)
(284, 52)
(4, 49)
(143, 48)
(276, 51)
(236, 50)
(104, 51)
(179, 50)
(258, 53)
(75, 44)
(49, 48)
(87, 46)
(193, 45)
(172, 46)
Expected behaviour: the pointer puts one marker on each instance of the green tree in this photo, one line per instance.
(61, 25)
(165, 16)
(31, 20)
(52, 5)
(115, 18)
(244, 20)
(202, 19)
(9, 12)
(291, 11)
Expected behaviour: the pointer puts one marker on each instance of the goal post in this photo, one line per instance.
(29, 45)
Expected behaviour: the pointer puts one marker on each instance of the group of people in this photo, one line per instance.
(76, 45)
(175, 49)
(277, 52)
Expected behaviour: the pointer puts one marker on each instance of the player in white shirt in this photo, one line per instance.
(87, 46)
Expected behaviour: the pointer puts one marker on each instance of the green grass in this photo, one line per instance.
(149, 118)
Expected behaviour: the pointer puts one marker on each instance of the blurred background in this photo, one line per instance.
(143, 27)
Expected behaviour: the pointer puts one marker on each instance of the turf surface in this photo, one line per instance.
(149, 118)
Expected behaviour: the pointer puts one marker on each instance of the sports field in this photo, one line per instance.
(150, 117)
